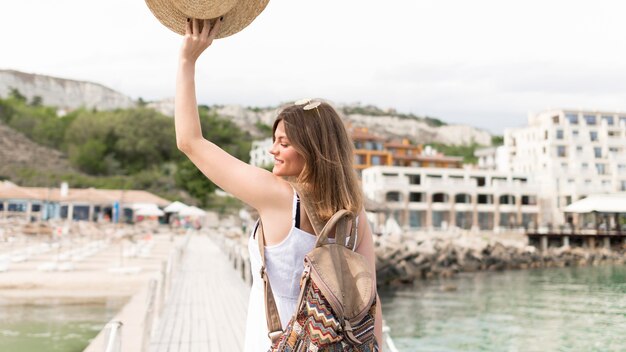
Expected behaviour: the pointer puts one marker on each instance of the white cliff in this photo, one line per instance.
(62, 93)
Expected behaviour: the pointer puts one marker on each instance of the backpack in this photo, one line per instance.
(337, 302)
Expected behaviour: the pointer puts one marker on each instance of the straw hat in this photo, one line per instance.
(238, 14)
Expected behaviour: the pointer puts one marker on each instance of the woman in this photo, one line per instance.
(311, 146)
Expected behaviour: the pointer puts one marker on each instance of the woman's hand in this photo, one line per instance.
(198, 36)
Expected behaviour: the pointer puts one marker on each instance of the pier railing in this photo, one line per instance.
(152, 300)
(113, 336)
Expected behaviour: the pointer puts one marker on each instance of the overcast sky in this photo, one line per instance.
(485, 63)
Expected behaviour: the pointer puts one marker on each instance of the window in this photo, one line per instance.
(559, 134)
(579, 149)
(609, 119)
(621, 169)
(507, 199)
(561, 151)
(597, 152)
(593, 135)
(529, 200)
(564, 166)
(485, 199)
(606, 183)
(36, 207)
(414, 179)
(590, 119)
(376, 160)
(614, 134)
(480, 181)
(584, 166)
(392, 197)
(17, 207)
(575, 133)
(416, 197)
(359, 159)
(440, 198)
(601, 168)
(463, 198)
(622, 120)
(572, 118)
(623, 185)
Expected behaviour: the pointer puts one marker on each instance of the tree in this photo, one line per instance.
(90, 157)
(14, 93)
(36, 101)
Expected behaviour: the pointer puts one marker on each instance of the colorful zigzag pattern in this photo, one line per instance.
(315, 328)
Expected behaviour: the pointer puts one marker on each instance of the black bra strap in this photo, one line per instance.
(297, 211)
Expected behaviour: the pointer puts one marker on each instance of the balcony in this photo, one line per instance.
(396, 182)
(505, 186)
(450, 184)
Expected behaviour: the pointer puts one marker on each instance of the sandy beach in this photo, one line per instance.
(82, 269)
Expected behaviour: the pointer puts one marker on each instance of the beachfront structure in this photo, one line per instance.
(571, 154)
(440, 198)
(598, 220)
(90, 204)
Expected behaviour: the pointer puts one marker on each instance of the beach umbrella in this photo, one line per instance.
(149, 211)
(175, 207)
(192, 211)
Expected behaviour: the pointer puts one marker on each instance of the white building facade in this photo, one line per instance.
(260, 153)
(571, 154)
(439, 198)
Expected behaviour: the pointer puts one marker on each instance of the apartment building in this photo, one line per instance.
(369, 149)
(571, 154)
(439, 198)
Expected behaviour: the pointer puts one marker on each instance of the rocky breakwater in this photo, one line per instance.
(404, 258)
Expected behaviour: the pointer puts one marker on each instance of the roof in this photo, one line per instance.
(403, 144)
(9, 190)
(359, 134)
(88, 195)
(439, 158)
(601, 203)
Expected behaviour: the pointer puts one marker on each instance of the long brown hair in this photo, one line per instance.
(328, 177)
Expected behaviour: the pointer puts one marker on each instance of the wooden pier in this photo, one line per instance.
(207, 305)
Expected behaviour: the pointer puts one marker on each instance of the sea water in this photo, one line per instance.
(566, 309)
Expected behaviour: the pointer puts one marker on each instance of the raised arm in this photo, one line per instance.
(251, 184)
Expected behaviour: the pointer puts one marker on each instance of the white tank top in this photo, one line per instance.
(284, 264)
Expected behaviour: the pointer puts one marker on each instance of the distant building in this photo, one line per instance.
(440, 198)
(492, 158)
(571, 154)
(260, 153)
(369, 149)
(89, 204)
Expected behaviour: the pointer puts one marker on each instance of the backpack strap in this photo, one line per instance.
(274, 326)
(318, 224)
(339, 222)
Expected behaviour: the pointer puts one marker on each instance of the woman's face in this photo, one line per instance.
(287, 161)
